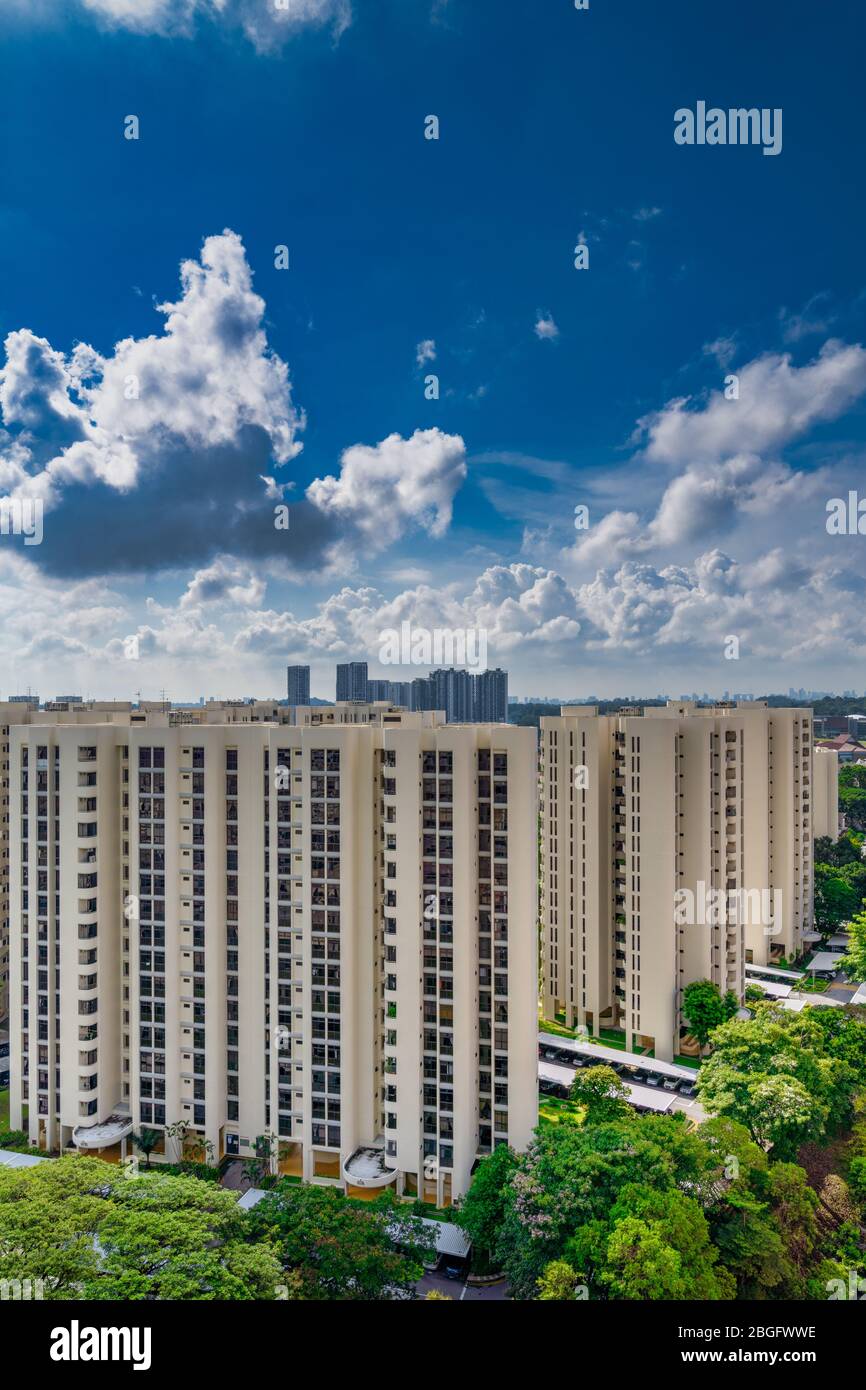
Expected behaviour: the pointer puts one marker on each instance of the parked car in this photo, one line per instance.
(452, 1270)
(652, 1078)
(670, 1083)
(687, 1089)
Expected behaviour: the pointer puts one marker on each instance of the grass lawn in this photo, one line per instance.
(610, 1037)
(426, 1209)
(4, 1111)
(614, 1037)
(692, 1062)
(547, 1025)
(554, 1111)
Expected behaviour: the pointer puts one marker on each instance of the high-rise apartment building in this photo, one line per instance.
(11, 712)
(491, 696)
(676, 846)
(352, 681)
(402, 693)
(316, 934)
(298, 685)
(454, 692)
(24, 709)
(826, 792)
(463, 696)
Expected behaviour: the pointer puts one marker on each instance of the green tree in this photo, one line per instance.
(751, 1248)
(823, 849)
(855, 874)
(704, 1009)
(771, 1074)
(843, 1035)
(146, 1141)
(569, 1178)
(836, 898)
(601, 1093)
(253, 1170)
(481, 1211)
(336, 1250)
(558, 1282)
(176, 1134)
(857, 1179)
(682, 1150)
(854, 960)
(852, 795)
(660, 1248)
(738, 1162)
(202, 1149)
(778, 1111)
(91, 1232)
(795, 1207)
(846, 850)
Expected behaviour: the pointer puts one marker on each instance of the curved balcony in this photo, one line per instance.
(105, 1134)
(368, 1167)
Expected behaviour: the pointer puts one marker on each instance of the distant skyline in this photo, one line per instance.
(632, 697)
(167, 385)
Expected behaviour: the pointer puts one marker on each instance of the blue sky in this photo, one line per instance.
(557, 387)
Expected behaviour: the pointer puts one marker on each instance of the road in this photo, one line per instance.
(460, 1292)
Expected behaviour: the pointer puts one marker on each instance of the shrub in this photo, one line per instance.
(857, 1179)
(13, 1139)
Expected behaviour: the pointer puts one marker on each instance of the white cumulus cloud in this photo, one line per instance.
(546, 327)
(777, 403)
(206, 377)
(267, 23)
(384, 487)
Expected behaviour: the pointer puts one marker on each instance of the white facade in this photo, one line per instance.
(826, 772)
(321, 933)
(676, 846)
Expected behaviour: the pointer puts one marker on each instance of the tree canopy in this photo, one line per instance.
(645, 1207)
(705, 1008)
(331, 1248)
(854, 960)
(774, 1074)
(90, 1230)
